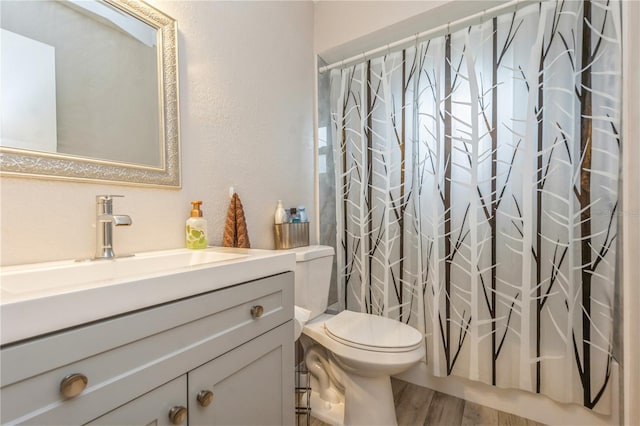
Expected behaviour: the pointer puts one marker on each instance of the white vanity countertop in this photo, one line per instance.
(33, 303)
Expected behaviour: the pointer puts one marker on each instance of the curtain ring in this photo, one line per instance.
(364, 57)
(448, 28)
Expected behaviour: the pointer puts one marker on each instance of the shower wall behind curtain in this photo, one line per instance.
(476, 195)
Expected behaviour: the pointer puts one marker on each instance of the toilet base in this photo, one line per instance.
(370, 402)
(331, 413)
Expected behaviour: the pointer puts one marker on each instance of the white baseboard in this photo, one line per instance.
(524, 404)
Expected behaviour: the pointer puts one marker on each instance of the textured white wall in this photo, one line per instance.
(246, 103)
(348, 28)
(631, 212)
(340, 22)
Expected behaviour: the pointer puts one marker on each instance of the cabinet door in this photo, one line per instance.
(153, 408)
(251, 385)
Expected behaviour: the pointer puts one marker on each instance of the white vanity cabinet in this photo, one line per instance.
(235, 343)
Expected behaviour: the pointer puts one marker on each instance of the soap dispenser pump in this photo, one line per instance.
(196, 230)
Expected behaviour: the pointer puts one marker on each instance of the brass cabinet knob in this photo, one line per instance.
(257, 311)
(178, 415)
(204, 398)
(73, 385)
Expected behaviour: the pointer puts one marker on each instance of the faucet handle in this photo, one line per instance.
(104, 205)
(107, 197)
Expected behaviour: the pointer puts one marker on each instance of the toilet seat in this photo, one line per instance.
(372, 333)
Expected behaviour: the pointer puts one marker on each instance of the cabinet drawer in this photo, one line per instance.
(141, 351)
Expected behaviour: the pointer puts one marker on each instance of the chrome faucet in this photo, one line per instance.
(105, 221)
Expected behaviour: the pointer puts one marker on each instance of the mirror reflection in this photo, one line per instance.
(80, 78)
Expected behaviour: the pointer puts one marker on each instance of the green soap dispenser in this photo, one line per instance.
(196, 231)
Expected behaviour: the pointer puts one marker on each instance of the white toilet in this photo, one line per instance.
(351, 355)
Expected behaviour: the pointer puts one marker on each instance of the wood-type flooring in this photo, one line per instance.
(416, 405)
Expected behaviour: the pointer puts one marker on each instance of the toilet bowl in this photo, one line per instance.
(351, 355)
(352, 370)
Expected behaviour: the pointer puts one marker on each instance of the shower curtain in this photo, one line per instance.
(477, 195)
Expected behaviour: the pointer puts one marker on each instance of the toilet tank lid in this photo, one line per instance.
(307, 253)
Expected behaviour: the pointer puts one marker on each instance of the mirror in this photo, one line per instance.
(89, 92)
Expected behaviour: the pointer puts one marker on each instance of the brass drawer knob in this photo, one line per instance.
(73, 385)
(204, 398)
(257, 311)
(178, 415)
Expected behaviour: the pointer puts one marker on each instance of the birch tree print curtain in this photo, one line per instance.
(477, 178)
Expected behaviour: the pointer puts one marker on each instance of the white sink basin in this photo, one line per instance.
(41, 298)
(69, 275)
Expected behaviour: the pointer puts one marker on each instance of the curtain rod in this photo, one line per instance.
(444, 29)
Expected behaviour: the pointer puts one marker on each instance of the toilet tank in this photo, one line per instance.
(313, 276)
